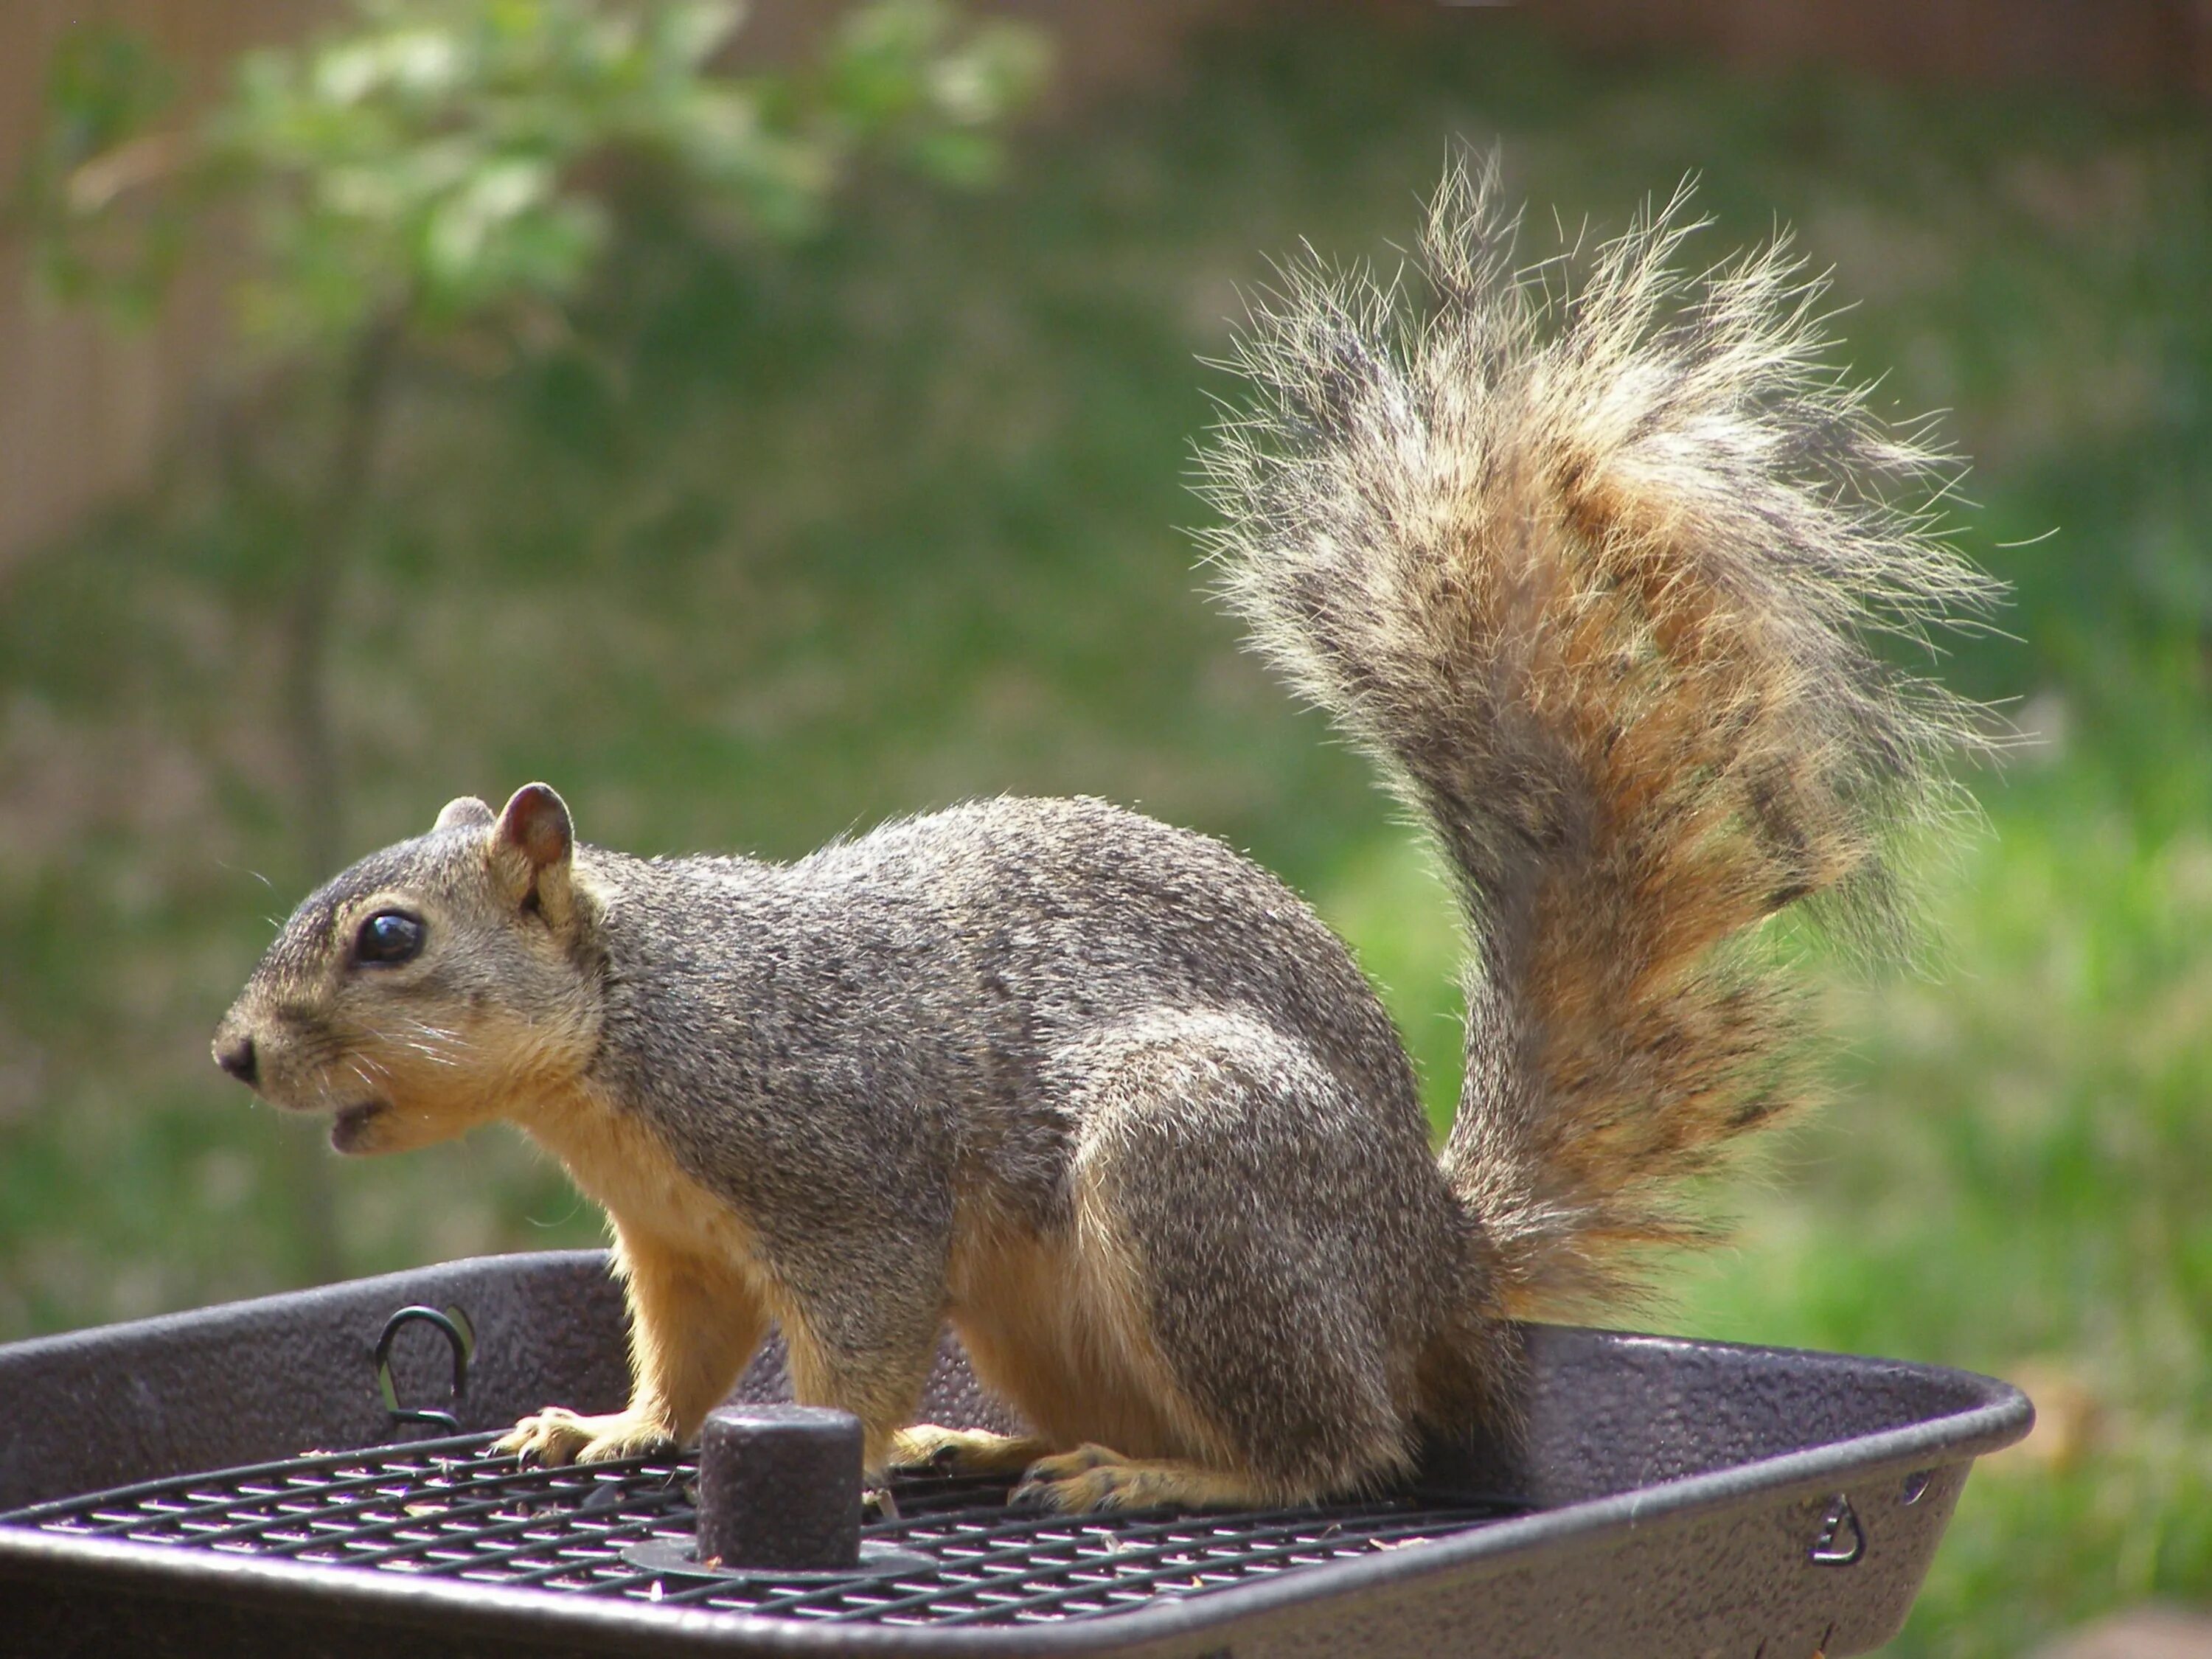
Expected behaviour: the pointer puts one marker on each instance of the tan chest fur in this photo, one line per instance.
(623, 1167)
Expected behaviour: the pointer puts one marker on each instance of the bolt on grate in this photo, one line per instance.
(447, 1509)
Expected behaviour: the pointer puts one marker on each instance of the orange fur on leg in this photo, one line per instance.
(693, 1324)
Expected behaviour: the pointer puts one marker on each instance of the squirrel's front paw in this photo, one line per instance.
(1093, 1478)
(963, 1452)
(557, 1435)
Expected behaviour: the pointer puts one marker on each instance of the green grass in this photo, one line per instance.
(834, 536)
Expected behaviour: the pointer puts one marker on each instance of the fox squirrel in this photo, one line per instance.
(1590, 572)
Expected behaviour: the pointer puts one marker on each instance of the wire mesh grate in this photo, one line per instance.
(450, 1510)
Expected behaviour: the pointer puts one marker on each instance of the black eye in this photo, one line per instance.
(388, 936)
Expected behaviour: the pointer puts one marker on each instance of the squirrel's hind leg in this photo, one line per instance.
(1266, 1247)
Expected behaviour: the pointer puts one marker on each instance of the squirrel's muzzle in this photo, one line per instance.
(235, 1055)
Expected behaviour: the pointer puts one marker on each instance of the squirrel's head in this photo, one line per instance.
(436, 985)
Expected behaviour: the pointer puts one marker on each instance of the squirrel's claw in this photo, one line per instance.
(556, 1435)
(1093, 1478)
(927, 1447)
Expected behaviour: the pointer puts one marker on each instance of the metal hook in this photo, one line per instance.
(1842, 1539)
(453, 1325)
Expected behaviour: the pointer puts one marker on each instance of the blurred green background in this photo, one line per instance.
(788, 536)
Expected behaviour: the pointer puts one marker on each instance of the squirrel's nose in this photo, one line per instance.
(237, 1058)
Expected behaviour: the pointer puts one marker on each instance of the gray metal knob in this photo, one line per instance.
(779, 1488)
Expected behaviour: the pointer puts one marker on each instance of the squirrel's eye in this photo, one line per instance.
(388, 936)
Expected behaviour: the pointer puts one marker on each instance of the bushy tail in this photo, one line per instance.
(1592, 572)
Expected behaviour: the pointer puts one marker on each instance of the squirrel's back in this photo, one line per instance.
(951, 960)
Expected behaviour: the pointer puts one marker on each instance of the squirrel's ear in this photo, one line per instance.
(466, 813)
(536, 825)
(530, 846)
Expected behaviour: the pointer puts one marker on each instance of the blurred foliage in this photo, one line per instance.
(434, 187)
(759, 547)
(453, 164)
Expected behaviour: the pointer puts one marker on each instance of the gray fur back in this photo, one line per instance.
(924, 978)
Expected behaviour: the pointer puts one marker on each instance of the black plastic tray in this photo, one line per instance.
(1673, 1498)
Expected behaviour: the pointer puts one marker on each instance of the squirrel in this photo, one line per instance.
(1591, 572)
